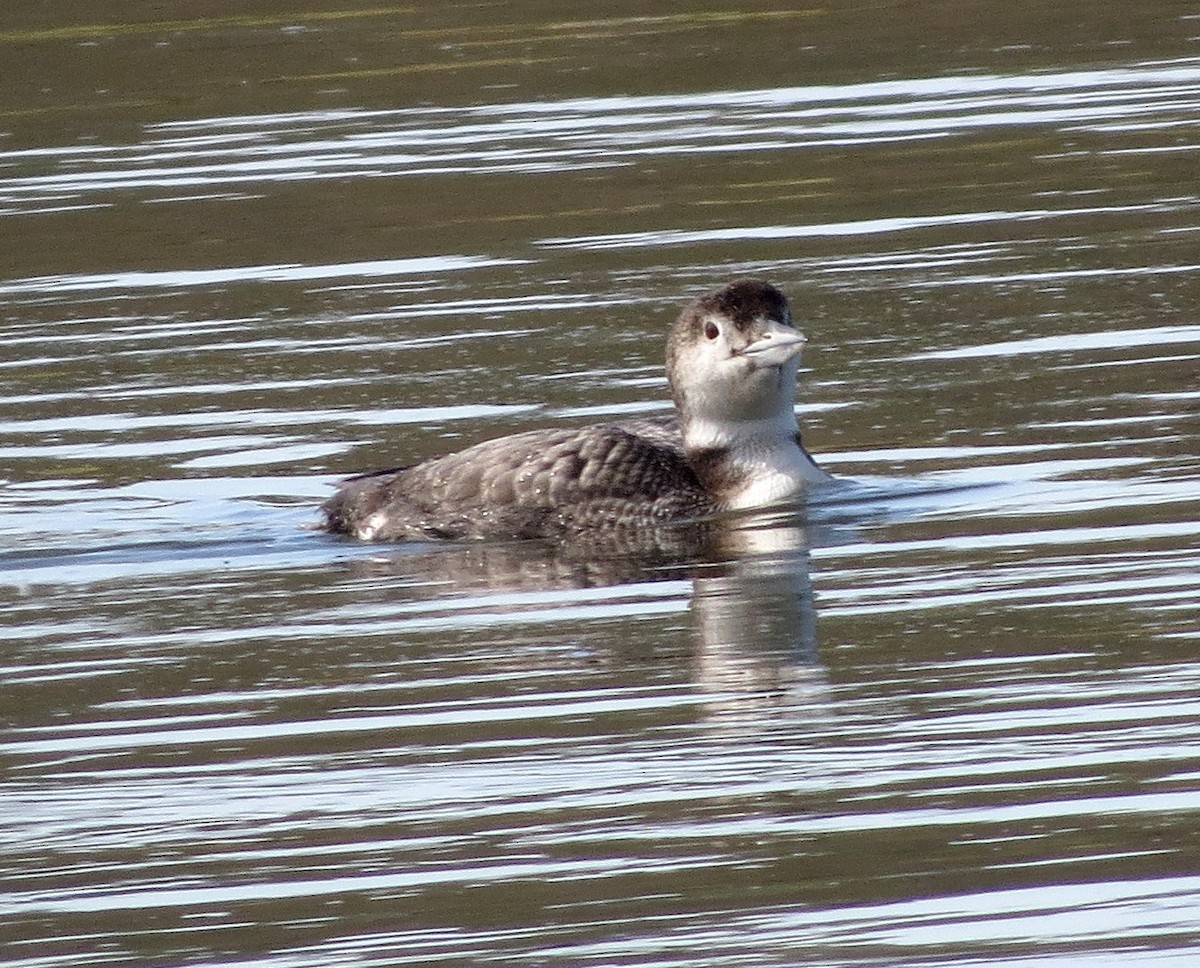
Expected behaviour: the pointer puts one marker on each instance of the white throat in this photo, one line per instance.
(762, 463)
(701, 433)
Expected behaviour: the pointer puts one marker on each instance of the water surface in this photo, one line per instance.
(947, 715)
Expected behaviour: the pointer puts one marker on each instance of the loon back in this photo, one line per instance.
(538, 484)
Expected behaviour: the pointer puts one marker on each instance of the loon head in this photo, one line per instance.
(732, 359)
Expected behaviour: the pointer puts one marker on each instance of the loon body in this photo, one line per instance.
(732, 444)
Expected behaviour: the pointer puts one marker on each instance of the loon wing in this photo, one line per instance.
(662, 431)
(542, 483)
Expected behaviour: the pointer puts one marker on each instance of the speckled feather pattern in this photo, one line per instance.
(538, 484)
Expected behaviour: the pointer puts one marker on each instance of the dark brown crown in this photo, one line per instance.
(744, 301)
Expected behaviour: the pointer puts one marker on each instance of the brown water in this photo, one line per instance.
(950, 716)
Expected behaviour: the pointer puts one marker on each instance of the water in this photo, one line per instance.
(948, 716)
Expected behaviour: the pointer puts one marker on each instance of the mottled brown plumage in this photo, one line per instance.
(542, 483)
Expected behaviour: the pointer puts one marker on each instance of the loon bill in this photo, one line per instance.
(732, 444)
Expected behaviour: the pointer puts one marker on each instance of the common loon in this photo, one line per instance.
(733, 444)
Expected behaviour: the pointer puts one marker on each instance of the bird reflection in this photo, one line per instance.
(755, 624)
(751, 606)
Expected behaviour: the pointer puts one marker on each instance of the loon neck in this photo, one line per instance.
(701, 435)
(750, 464)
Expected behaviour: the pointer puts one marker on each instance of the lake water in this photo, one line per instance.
(949, 715)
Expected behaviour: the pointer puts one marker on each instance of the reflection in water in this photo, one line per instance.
(755, 624)
(750, 595)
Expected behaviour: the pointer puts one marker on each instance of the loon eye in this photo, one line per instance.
(711, 330)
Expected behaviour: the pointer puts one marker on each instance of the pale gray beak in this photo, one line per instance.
(776, 346)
